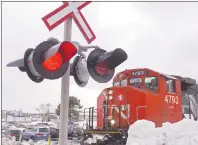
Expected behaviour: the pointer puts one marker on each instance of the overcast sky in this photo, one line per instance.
(159, 36)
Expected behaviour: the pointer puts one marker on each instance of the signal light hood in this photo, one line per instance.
(118, 53)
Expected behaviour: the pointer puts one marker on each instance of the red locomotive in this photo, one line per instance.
(144, 94)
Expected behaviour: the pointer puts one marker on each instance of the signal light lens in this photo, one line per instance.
(102, 68)
(68, 50)
(54, 62)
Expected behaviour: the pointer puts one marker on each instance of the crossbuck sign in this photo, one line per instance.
(70, 9)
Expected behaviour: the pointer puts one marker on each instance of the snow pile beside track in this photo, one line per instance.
(144, 132)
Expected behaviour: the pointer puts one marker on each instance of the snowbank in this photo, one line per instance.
(144, 132)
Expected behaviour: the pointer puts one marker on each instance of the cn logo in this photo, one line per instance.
(120, 97)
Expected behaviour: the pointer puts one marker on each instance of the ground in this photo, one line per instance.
(144, 132)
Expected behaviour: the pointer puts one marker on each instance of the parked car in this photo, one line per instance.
(14, 132)
(54, 133)
(74, 131)
(38, 133)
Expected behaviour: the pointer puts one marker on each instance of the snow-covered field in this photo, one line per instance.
(144, 132)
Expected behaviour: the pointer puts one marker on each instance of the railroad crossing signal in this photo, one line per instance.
(58, 16)
(70, 9)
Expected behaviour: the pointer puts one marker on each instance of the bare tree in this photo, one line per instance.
(44, 110)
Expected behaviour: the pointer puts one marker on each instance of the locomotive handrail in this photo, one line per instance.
(194, 107)
(84, 112)
(137, 110)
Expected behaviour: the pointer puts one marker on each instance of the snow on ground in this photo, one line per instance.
(144, 132)
(6, 141)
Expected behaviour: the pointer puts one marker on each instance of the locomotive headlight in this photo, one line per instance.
(110, 97)
(112, 122)
(110, 91)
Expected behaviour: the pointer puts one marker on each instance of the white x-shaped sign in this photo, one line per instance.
(70, 9)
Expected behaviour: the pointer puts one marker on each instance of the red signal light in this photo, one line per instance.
(102, 68)
(54, 62)
(68, 50)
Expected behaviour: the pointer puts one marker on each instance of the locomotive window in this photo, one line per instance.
(135, 81)
(116, 84)
(124, 82)
(151, 83)
(170, 85)
(123, 107)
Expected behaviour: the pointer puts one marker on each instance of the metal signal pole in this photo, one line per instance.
(65, 91)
